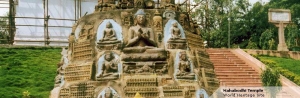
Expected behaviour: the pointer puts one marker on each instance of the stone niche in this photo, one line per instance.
(132, 48)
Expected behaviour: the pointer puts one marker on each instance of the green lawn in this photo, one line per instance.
(288, 67)
(27, 69)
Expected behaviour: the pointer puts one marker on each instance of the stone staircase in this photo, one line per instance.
(233, 71)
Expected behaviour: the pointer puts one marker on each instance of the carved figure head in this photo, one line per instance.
(140, 17)
(183, 56)
(108, 25)
(175, 24)
(109, 56)
(108, 93)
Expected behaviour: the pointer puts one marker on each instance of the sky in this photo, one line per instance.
(253, 1)
(5, 10)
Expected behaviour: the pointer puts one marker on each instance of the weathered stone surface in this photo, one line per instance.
(132, 48)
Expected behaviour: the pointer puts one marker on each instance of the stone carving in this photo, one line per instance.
(140, 35)
(105, 5)
(186, 93)
(150, 37)
(71, 41)
(109, 33)
(73, 70)
(184, 69)
(109, 67)
(109, 40)
(108, 93)
(157, 21)
(58, 77)
(82, 51)
(145, 69)
(183, 21)
(126, 18)
(175, 31)
(139, 3)
(176, 42)
(164, 69)
(86, 32)
(169, 14)
(126, 4)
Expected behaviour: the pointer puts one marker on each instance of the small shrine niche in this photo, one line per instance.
(130, 47)
(108, 93)
(183, 66)
(109, 35)
(174, 36)
(109, 67)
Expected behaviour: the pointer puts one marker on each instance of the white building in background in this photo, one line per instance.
(30, 20)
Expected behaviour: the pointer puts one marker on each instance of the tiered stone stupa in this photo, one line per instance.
(135, 48)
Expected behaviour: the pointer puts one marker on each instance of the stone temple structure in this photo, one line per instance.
(134, 48)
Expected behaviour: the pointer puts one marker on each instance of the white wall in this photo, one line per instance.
(63, 9)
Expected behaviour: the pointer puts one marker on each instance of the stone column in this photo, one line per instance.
(282, 45)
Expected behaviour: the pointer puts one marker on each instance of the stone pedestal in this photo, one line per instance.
(109, 45)
(282, 45)
(177, 44)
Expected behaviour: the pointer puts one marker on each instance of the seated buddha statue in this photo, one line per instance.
(109, 40)
(140, 35)
(175, 31)
(109, 34)
(176, 41)
(184, 69)
(109, 67)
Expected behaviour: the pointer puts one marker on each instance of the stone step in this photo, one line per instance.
(230, 64)
(241, 84)
(227, 61)
(231, 70)
(234, 68)
(236, 72)
(240, 79)
(238, 75)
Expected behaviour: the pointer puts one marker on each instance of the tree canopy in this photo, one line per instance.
(249, 26)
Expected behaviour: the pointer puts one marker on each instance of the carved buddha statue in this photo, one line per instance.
(109, 34)
(176, 41)
(184, 69)
(109, 67)
(140, 35)
(175, 31)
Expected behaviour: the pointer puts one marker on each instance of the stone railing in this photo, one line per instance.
(286, 54)
(289, 86)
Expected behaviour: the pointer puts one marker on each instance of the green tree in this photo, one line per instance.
(3, 30)
(271, 80)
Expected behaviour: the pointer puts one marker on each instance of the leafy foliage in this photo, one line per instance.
(271, 78)
(286, 66)
(249, 26)
(3, 30)
(27, 70)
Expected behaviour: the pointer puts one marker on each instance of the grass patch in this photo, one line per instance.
(286, 66)
(27, 69)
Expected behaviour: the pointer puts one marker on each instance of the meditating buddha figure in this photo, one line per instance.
(109, 67)
(140, 35)
(184, 69)
(109, 34)
(175, 31)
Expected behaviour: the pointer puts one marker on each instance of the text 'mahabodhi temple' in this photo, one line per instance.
(135, 48)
